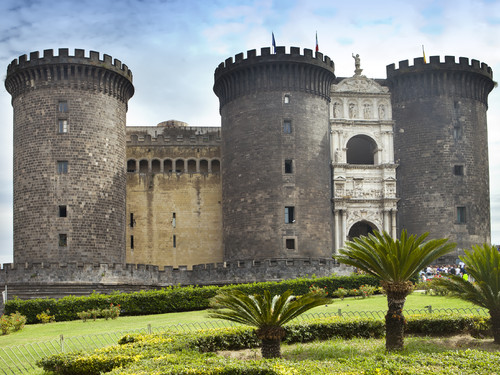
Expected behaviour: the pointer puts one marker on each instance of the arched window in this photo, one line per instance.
(191, 166)
(179, 166)
(204, 166)
(167, 166)
(143, 166)
(361, 150)
(215, 166)
(156, 166)
(131, 166)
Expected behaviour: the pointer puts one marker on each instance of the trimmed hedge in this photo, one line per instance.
(182, 353)
(174, 299)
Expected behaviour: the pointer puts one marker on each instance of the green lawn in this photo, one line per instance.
(42, 332)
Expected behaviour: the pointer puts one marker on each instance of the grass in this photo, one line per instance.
(51, 331)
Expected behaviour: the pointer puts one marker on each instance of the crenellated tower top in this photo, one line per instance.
(90, 73)
(268, 72)
(463, 79)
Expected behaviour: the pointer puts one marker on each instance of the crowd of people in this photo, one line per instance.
(439, 271)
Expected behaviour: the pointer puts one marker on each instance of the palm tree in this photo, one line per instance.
(483, 266)
(268, 314)
(394, 262)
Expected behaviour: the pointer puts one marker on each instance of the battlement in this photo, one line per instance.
(173, 135)
(435, 64)
(65, 58)
(280, 55)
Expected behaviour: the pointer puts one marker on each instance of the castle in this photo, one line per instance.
(303, 161)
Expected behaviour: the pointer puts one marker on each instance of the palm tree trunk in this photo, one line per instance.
(271, 348)
(395, 321)
(495, 323)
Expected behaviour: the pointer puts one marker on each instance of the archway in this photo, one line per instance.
(361, 228)
(361, 150)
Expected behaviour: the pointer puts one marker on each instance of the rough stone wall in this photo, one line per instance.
(440, 116)
(166, 203)
(93, 145)
(257, 96)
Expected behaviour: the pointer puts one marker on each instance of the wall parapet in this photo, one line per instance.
(59, 279)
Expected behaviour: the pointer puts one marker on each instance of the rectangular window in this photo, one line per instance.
(63, 107)
(63, 126)
(290, 243)
(63, 212)
(173, 220)
(458, 170)
(63, 240)
(132, 221)
(62, 167)
(286, 99)
(461, 219)
(174, 241)
(287, 127)
(457, 132)
(289, 215)
(288, 166)
(131, 242)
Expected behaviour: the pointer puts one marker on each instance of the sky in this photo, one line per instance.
(174, 46)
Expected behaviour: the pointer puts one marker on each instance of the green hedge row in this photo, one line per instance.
(173, 299)
(180, 353)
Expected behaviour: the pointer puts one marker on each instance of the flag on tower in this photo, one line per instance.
(274, 44)
(423, 51)
(317, 45)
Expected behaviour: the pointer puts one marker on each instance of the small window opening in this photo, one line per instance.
(286, 99)
(63, 212)
(289, 215)
(288, 166)
(62, 167)
(63, 107)
(174, 240)
(458, 170)
(63, 126)
(457, 132)
(132, 221)
(287, 127)
(290, 243)
(63, 240)
(461, 219)
(173, 220)
(131, 166)
(132, 242)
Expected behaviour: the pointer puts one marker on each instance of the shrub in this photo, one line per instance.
(17, 321)
(5, 324)
(45, 317)
(367, 290)
(112, 312)
(340, 293)
(84, 315)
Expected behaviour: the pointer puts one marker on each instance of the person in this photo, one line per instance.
(357, 61)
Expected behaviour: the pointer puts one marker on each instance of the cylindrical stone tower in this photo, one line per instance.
(276, 176)
(69, 157)
(441, 147)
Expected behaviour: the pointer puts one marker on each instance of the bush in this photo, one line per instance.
(45, 317)
(367, 290)
(14, 321)
(112, 312)
(5, 324)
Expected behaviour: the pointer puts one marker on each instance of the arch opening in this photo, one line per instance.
(361, 150)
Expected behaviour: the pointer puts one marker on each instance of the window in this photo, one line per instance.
(461, 215)
(173, 220)
(131, 242)
(288, 166)
(287, 127)
(62, 107)
(174, 241)
(63, 126)
(63, 212)
(458, 170)
(132, 221)
(289, 215)
(63, 240)
(457, 132)
(290, 243)
(286, 99)
(62, 167)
